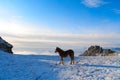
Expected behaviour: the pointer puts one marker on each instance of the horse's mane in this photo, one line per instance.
(59, 49)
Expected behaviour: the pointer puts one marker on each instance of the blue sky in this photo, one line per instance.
(64, 23)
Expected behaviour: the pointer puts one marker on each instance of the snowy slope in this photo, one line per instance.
(43, 67)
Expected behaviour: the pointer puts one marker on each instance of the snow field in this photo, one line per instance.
(44, 67)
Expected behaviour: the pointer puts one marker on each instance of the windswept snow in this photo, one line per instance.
(43, 67)
(92, 68)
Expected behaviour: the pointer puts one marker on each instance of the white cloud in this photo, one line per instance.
(93, 3)
(117, 11)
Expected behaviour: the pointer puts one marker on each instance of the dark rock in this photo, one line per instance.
(93, 51)
(5, 46)
(97, 51)
(108, 51)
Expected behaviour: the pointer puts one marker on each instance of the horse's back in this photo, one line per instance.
(70, 52)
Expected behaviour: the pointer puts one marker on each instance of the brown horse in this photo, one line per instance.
(64, 54)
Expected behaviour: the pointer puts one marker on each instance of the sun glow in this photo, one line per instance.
(12, 27)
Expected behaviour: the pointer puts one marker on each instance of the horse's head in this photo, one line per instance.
(56, 50)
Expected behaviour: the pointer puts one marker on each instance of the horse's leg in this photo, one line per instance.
(72, 61)
(61, 61)
(73, 58)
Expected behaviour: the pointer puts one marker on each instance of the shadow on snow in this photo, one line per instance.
(103, 66)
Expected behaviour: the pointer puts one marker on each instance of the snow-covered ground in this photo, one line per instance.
(43, 67)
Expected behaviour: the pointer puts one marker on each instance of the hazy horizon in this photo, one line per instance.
(32, 25)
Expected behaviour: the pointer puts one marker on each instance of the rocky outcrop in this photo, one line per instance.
(108, 52)
(97, 51)
(5, 46)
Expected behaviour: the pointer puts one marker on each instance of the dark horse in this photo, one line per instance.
(64, 54)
